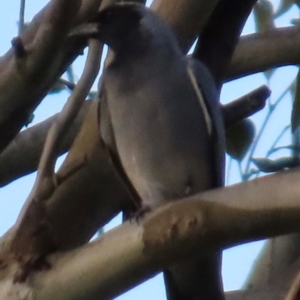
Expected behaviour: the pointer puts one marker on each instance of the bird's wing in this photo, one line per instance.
(108, 138)
(206, 86)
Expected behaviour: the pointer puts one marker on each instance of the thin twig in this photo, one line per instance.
(69, 112)
(272, 108)
(272, 148)
(21, 17)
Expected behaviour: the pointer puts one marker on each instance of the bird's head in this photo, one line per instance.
(129, 26)
(119, 24)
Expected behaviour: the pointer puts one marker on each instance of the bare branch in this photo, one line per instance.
(261, 193)
(23, 154)
(47, 56)
(34, 236)
(190, 226)
(103, 196)
(186, 18)
(221, 34)
(245, 106)
(69, 112)
(279, 256)
(270, 49)
(294, 291)
(273, 293)
(88, 9)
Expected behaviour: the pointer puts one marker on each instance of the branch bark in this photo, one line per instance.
(205, 222)
(21, 70)
(90, 192)
(244, 106)
(34, 236)
(260, 52)
(46, 55)
(219, 37)
(190, 226)
(22, 155)
(186, 18)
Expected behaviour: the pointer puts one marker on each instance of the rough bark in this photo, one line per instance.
(199, 224)
(40, 52)
(219, 37)
(263, 51)
(186, 18)
(22, 155)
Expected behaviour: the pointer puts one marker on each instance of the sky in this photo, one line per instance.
(237, 261)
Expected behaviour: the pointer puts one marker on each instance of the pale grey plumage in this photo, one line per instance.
(166, 143)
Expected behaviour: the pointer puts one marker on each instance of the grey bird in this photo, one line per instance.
(161, 121)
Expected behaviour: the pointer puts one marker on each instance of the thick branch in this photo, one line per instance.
(279, 256)
(269, 207)
(186, 18)
(46, 56)
(34, 236)
(260, 52)
(190, 227)
(262, 294)
(21, 71)
(276, 190)
(22, 155)
(218, 40)
(88, 9)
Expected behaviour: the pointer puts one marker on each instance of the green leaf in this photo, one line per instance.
(269, 165)
(295, 118)
(239, 139)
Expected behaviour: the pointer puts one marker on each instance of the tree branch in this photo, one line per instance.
(28, 246)
(190, 226)
(103, 196)
(245, 106)
(186, 18)
(48, 54)
(220, 36)
(67, 115)
(270, 49)
(20, 74)
(273, 293)
(279, 255)
(223, 220)
(23, 154)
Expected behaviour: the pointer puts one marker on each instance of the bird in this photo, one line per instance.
(160, 119)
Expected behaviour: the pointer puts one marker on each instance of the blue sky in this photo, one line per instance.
(238, 260)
